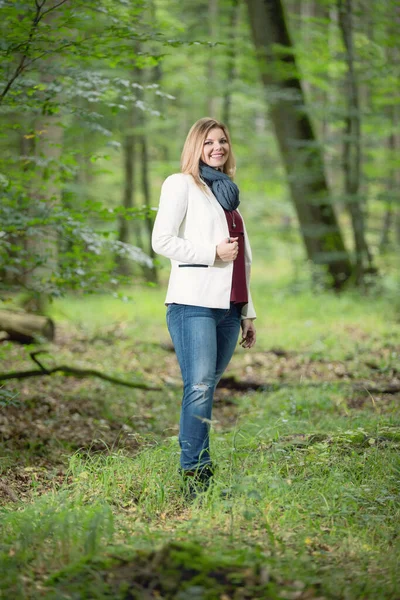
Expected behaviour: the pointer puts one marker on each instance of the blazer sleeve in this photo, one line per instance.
(171, 213)
(248, 311)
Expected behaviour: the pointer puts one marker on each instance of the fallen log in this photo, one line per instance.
(72, 372)
(26, 328)
(384, 388)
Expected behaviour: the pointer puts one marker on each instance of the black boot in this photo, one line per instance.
(196, 481)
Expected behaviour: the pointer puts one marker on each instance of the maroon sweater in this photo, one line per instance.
(239, 287)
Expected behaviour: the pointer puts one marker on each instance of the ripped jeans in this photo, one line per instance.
(204, 341)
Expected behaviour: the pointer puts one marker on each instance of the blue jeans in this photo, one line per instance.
(204, 341)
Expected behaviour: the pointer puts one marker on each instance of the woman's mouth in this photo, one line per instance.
(217, 155)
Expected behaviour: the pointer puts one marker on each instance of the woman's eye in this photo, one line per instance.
(210, 142)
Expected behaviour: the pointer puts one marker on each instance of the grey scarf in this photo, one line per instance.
(222, 186)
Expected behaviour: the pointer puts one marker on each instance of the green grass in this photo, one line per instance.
(321, 511)
(312, 461)
(303, 319)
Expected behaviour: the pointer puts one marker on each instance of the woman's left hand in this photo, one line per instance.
(248, 333)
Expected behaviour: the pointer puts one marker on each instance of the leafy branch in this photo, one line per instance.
(39, 14)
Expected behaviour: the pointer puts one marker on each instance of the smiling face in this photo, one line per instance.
(215, 148)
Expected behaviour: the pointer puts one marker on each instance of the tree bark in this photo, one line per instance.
(211, 79)
(299, 148)
(391, 220)
(49, 135)
(393, 181)
(124, 229)
(150, 273)
(231, 59)
(352, 148)
(386, 227)
(26, 150)
(129, 228)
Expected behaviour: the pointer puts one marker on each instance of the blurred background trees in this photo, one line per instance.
(96, 99)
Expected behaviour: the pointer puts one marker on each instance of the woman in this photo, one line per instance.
(200, 229)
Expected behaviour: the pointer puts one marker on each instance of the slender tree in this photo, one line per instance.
(391, 219)
(150, 273)
(48, 139)
(129, 163)
(352, 147)
(231, 59)
(211, 67)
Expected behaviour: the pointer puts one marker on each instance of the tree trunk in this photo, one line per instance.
(46, 183)
(391, 186)
(161, 106)
(231, 59)
(386, 227)
(150, 273)
(211, 79)
(128, 228)
(301, 154)
(26, 150)
(124, 233)
(352, 149)
(390, 219)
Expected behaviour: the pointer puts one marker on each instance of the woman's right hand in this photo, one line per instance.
(227, 250)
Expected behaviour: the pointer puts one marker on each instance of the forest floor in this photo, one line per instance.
(305, 433)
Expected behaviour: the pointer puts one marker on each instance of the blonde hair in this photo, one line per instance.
(193, 148)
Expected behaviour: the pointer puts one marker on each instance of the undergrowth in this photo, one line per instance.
(309, 465)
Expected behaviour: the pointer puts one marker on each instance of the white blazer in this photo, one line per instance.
(190, 223)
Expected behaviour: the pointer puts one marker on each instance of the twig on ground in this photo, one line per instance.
(73, 372)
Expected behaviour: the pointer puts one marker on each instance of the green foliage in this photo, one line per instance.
(87, 66)
(63, 69)
(8, 398)
(54, 529)
(80, 35)
(82, 250)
